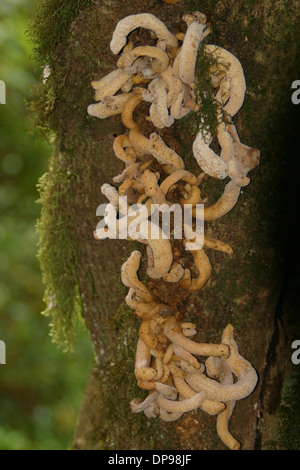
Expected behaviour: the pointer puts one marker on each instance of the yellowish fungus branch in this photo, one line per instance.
(167, 361)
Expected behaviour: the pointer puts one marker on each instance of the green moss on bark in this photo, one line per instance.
(59, 255)
(50, 25)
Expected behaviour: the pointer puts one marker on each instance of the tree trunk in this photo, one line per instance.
(247, 289)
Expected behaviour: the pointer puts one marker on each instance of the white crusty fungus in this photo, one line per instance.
(207, 159)
(130, 278)
(141, 20)
(188, 53)
(235, 73)
(163, 153)
(168, 363)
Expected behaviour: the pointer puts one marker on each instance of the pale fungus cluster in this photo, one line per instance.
(162, 76)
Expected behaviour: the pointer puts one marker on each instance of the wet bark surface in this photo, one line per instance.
(246, 289)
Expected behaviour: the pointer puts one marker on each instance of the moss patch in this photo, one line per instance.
(58, 255)
(50, 25)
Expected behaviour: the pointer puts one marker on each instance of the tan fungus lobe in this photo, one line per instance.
(119, 144)
(139, 142)
(218, 245)
(127, 189)
(166, 390)
(162, 257)
(141, 20)
(152, 189)
(165, 361)
(101, 111)
(146, 335)
(159, 249)
(245, 159)
(154, 118)
(194, 197)
(176, 176)
(162, 103)
(178, 110)
(224, 204)
(175, 274)
(163, 153)
(169, 416)
(129, 107)
(144, 310)
(159, 63)
(173, 332)
(173, 84)
(142, 370)
(187, 357)
(235, 71)
(130, 279)
(181, 406)
(128, 173)
(137, 405)
(225, 142)
(240, 367)
(226, 378)
(188, 54)
(110, 84)
(204, 270)
(207, 159)
(168, 354)
(117, 101)
(210, 407)
(111, 194)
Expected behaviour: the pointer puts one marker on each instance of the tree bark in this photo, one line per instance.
(245, 289)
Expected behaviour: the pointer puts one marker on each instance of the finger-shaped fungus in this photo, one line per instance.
(142, 370)
(181, 406)
(137, 405)
(159, 64)
(175, 274)
(141, 20)
(163, 153)
(240, 367)
(166, 360)
(226, 378)
(101, 111)
(173, 332)
(162, 257)
(129, 107)
(146, 335)
(244, 160)
(110, 84)
(130, 279)
(210, 407)
(120, 143)
(224, 204)
(176, 176)
(207, 159)
(139, 142)
(162, 104)
(189, 49)
(152, 189)
(218, 245)
(204, 271)
(235, 71)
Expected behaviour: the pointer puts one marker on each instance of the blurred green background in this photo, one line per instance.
(41, 387)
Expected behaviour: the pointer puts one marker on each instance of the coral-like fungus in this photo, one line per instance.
(168, 361)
